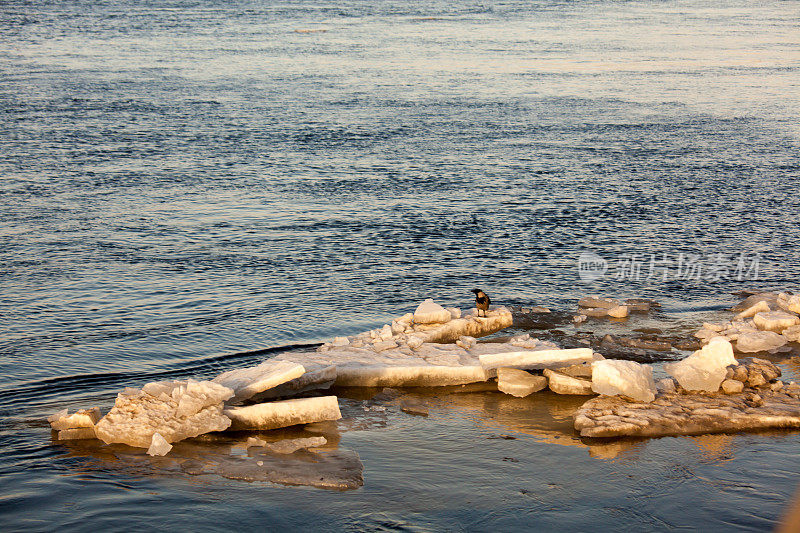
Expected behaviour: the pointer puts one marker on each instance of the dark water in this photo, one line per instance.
(182, 182)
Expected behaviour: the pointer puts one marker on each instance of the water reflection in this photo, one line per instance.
(228, 455)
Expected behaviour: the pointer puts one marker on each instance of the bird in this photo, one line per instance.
(482, 301)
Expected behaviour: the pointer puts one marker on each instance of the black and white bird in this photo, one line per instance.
(482, 301)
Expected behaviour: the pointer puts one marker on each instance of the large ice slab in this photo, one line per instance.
(175, 409)
(687, 414)
(518, 382)
(531, 360)
(284, 413)
(429, 365)
(628, 378)
(316, 377)
(247, 382)
(705, 369)
(409, 375)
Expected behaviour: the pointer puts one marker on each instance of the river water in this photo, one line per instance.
(184, 185)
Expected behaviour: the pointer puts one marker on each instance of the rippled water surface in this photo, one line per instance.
(185, 183)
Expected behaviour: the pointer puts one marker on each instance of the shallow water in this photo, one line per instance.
(185, 184)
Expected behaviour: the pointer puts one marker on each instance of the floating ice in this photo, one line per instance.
(789, 303)
(409, 376)
(255, 442)
(518, 382)
(627, 378)
(77, 434)
(770, 298)
(595, 312)
(530, 360)
(564, 384)
(158, 445)
(247, 382)
(705, 369)
(597, 302)
(429, 312)
(687, 414)
(334, 469)
(316, 377)
(759, 307)
(792, 333)
(84, 418)
(287, 446)
(759, 341)
(175, 409)
(284, 413)
(732, 386)
(621, 311)
(776, 321)
(495, 320)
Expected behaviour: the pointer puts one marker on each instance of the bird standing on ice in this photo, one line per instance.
(482, 301)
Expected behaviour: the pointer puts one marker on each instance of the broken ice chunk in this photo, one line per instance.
(597, 302)
(175, 409)
(595, 312)
(706, 368)
(158, 445)
(564, 384)
(495, 320)
(627, 378)
(84, 418)
(466, 342)
(732, 386)
(254, 442)
(429, 312)
(247, 382)
(77, 434)
(792, 333)
(340, 341)
(518, 382)
(776, 321)
(666, 385)
(287, 446)
(530, 360)
(620, 311)
(759, 341)
(759, 307)
(284, 413)
(789, 303)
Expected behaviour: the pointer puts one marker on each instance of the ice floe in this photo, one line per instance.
(283, 413)
(561, 383)
(541, 359)
(175, 409)
(158, 445)
(519, 382)
(247, 382)
(627, 378)
(776, 321)
(84, 418)
(706, 368)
